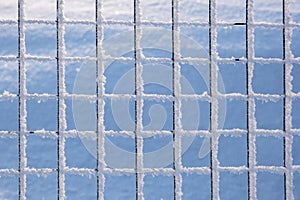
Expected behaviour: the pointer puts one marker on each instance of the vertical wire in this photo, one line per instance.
(247, 93)
(138, 102)
(61, 114)
(284, 92)
(135, 104)
(173, 103)
(251, 123)
(210, 103)
(177, 165)
(22, 100)
(100, 90)
(214, 101)
(287, 125)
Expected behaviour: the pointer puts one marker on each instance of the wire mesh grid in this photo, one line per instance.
(288, 96)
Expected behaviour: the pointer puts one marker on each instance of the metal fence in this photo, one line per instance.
(288, 60)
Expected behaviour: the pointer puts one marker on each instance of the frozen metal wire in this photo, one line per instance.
(139, 90)
(287, 101)
(251, 123)
(100, 101)
(214, 101)
(22, 100)
(61, 134)
(145, 22)
(177, 165)
(61, 107)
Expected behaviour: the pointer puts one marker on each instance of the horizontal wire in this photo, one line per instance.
(183, 60)
(151, 171)
(145, 22)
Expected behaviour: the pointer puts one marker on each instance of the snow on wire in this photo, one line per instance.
(177, 133)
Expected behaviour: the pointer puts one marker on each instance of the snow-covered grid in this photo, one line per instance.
(288, 59)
